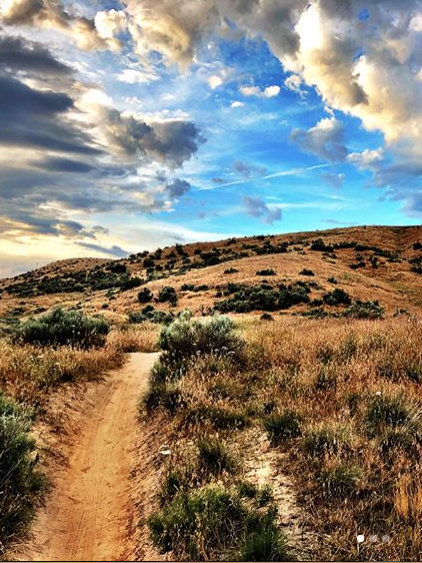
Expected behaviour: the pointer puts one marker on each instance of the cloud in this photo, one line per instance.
(115, 251)
(294, 83)
(363, 59)
(237, 104)
(256, 207)
(51, 14)
(127, 135)
(36, 119)
(215, 81)
(178, 188)
(247, 170)
(136, 76)
(325, 140)
(335, 180)
(111, 23)
(268, 92)
(17, 53)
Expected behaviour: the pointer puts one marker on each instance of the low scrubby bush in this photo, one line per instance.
(20, 480)
(187, 337)
(167, 294)
(145, 295)
(213, 520)
(64, 328)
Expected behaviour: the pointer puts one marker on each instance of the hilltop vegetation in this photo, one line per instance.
(246, 275)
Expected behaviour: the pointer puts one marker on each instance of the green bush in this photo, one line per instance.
(268, 272)
(145, 295)
(64, 328)
(213, 523)
(20, 480)
(365, 310)
(337, 297)
(185, 338)
(306, 272)
(150, 314)
(283, 426)
(167, 293)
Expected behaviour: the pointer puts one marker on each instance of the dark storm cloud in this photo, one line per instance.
(17, 53)
(177, 188)
(33, 118)
(52, 164)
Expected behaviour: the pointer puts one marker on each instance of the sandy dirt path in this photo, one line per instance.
(89, 513)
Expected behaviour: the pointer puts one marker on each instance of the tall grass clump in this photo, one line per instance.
(64, 328)
(20, 480)
(214, 523)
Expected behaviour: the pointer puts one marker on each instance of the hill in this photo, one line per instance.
(367, 263)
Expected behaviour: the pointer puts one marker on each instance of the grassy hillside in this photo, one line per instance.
(368, 263)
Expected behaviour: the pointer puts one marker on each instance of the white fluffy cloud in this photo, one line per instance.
(110, 23)
(215, 81)
(268, 92)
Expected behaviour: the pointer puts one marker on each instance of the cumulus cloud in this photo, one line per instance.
(237, 104)
(268, 92)
(325, 140)
(354, 54)
(256, 207)
(51, 14)
(215, 81)
(111, 23)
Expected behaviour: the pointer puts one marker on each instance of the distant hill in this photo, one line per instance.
(289, 273)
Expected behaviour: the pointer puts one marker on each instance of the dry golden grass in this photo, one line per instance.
(354, 387)
(31, 373)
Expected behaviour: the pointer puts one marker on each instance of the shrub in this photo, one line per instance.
(20, 481)
(268, 272)
(332, 280)
(365, 310)
(208, 523)
(306, 272)
(320, 246)
(185, 338)
(188, 287)
(167, 293)
(64, 328)
(145, 295)
(283, 426)
(231, 271)
(266, 317)
(149, 314)
(337, 297)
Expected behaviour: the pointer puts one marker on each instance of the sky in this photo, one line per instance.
(128, 125)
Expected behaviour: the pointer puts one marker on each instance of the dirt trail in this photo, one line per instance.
(90, 511)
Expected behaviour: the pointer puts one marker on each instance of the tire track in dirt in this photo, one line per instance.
(90, 511)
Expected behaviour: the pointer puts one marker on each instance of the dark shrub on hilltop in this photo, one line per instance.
(167, 293)
(64, 328)
(145, 295)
